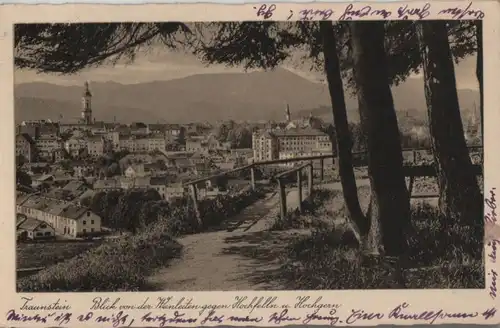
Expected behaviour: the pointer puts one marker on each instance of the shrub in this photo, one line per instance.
(182, 219)
(311, 213)
(440, 257)
(121, 265)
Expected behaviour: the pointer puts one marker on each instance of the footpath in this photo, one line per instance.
(239, 255)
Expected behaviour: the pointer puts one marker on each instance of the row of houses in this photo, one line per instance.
(55, 148)
(66, 218)
(40, 128)
(167, 189)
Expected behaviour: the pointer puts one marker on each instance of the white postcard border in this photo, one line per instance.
(373, 301)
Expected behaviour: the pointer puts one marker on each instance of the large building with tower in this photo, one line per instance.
(294, 140)
(87, 105)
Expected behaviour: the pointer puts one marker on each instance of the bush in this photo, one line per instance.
(440, 257)
(181, 218)
(121, 265)
(309, 217)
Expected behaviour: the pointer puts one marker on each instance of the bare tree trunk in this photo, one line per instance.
(479, 70)
(342, 134)
(389, 204)
(460, 196)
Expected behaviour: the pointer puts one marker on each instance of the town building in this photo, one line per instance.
(46, 145)
(33, 229)
(294, 140)
(142, 143)
(139, 128)
(160, 185)
(74, 146)
(134, 171)
(25, 147)
(66, 218)
(95, 145)
(265, 146)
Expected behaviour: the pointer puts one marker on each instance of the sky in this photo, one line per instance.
(174, 65)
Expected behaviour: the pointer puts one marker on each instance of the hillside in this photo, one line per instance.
(409, 100)
(204, 97)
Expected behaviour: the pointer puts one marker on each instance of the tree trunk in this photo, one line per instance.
(479, 70)
(342, 134)
(389, 204)
(460, 197)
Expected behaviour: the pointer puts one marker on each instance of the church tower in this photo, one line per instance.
(287, 113)
(87, 105)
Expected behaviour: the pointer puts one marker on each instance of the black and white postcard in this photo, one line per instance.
(265, 164)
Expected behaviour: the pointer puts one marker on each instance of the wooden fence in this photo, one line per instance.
(411, 171)
(281, 186)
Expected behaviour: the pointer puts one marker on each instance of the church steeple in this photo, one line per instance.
(87, 105)
(287, 113)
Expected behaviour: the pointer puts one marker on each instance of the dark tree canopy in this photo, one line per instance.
(271, 43)
(69, 48)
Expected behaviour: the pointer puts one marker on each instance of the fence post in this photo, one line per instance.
(281, 187)
(194, 196)
(252, 176)
(310, 179)
(299, 188)
(414, 157)
(322, 169)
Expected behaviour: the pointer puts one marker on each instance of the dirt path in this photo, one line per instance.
(241, 255)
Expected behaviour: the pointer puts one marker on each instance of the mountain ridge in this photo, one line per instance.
(249, 96)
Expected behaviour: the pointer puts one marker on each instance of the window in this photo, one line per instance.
(84, 222)
(91, 221)
(39, 234)
(92, 230)
(88, 213)
(84, 230)
(47, 233)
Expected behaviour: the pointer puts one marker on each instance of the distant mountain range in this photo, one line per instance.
(206, 97)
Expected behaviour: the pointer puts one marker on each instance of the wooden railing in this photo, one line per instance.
(410, 171)
(281, 186)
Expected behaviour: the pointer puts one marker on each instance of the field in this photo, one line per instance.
(43, 254)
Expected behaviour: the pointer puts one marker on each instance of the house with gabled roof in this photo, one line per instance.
(66, 218)
(33, 229)
(78, 221)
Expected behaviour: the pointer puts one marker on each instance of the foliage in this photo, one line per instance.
(64, 48)
(135, 210)
(108, 165)
(43, 254)
(223, 130)
(126, 210)
(239, 135)
(269, 44)
(69, 48)
(215, 211)
(120, 265)
(309, 218)
(23, 178)
(441, 258)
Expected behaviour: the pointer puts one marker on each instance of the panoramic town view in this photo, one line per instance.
(222, 163)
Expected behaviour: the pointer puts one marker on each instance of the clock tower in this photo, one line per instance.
(87, 105)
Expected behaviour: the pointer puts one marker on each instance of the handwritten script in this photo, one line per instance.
(490, 217)
(169, 311)
(355, 11)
